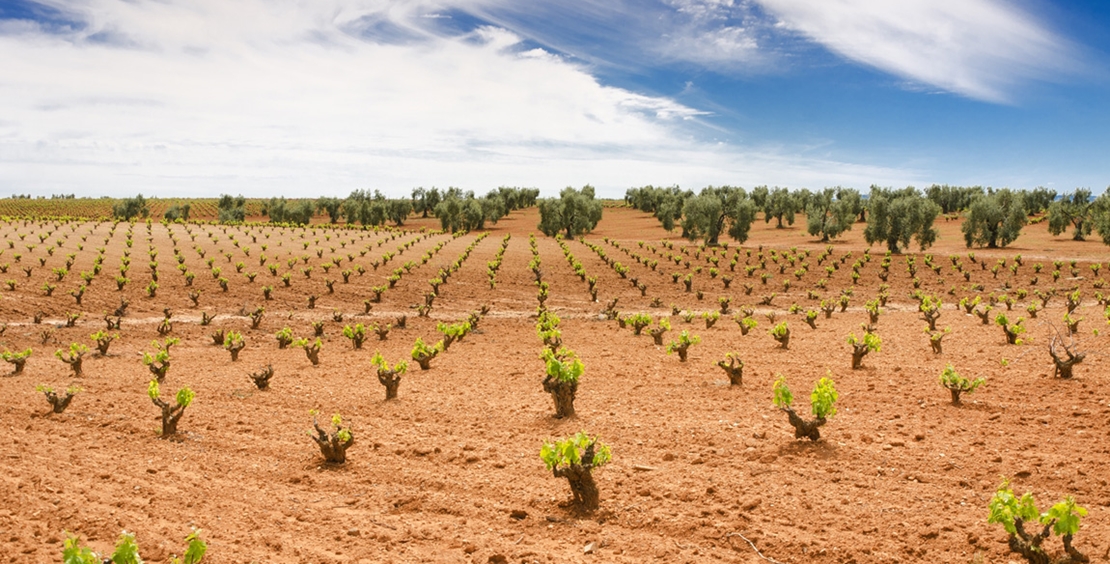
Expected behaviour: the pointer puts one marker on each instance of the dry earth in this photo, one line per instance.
(449, 472)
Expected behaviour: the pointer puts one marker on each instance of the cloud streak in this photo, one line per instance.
(256, 97)
(981, 49)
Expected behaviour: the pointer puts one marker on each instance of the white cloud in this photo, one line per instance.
(260, 98)
(978, 48)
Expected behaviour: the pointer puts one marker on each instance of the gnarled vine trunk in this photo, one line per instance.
(391, 380)
(170, 416)
(582, 485)
(563, 393)
(804, 429)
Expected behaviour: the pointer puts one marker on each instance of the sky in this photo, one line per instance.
(322, 97)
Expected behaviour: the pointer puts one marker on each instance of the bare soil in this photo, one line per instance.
(449, 471)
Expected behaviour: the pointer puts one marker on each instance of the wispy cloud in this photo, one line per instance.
(977, 48)
(267, 97)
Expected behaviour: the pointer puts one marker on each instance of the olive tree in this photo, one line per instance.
(994, 219)
(398, 210)
(780, 205)
(130, 208)
(1102, 216)
(232, 209)
(574, 212)
(1072, 210)
(831, 212)
(280, 210)
(330, 205)
(707, 215)
(952, 198)
(1038, 199)
(664, 203)
(365, 208)
(897, 216)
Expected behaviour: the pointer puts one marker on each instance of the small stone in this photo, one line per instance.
(590, 547)
(668, 457)
(518, 514)
(353, 532)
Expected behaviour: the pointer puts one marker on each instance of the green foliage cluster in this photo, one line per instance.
(280, 210)
(832, 212)
(1073, 211)
(423, 354)
(569, 451)
(898, 216)
(232, 209)
(563, 366)
(183, 398)
(129, 208)
(666, 204)
(682, 344)
(822, 399)
(573, 213)
(716, 211)
(994, 219)
(1014, 512)
(127, 551)
(870, 341)
(957, 384)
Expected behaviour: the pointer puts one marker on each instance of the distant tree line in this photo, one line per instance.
(895, 218)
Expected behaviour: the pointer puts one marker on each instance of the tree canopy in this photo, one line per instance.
(130, 208)
(994, 219)
(780, 205)
(897, 216)
(232, 209)
(708, 214)
(832, 211)
(574, 212)
(1072, 210)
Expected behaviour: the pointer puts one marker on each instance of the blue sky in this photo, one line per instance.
(264, 97)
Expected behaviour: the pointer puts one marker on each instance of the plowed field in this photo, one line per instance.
(450, 472)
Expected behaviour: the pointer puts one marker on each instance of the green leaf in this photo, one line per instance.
(127, 552)
(185, 397)
(1066, 514)
(823, 398)
(74, 553)
(783, 397)
(196, 548)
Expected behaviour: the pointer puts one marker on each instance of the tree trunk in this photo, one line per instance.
(582, 486)
(858, 352)
(170, 416)
(804, 429)
(391, 381)
(563, 394)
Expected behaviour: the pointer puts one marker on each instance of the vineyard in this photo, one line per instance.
(328, 394)
(201, 209)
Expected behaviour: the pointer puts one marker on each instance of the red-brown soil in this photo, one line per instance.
(900, 475)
